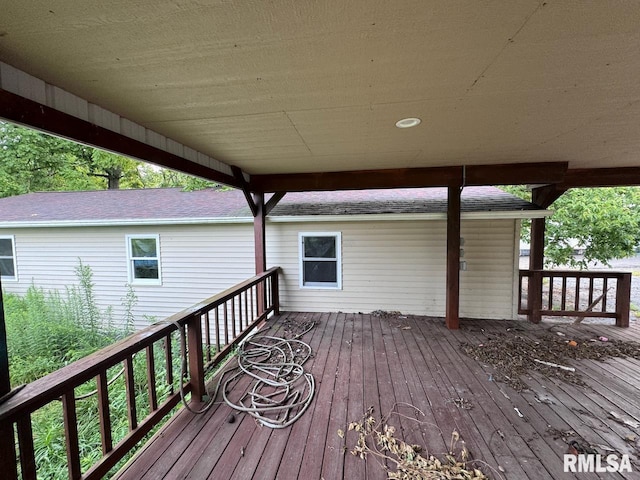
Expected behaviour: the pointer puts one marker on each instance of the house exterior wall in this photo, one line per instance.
(401, 266)
(197, 261)
(387, 265)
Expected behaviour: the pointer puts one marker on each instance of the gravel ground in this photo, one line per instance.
(631, 264)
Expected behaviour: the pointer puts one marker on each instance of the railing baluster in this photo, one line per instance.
(131, 393)
(71, 434)
(207, 334)
(576, 305)
(151, 379)
(551, 281)
(168, 361)
(216, 316)
(240, 319)
(605, 287)
(27, 457)
(275, 301)
(103, 413)
(246, 307)
(251, 303)
(225, 319)
(233, 316)
(563, 301)
(590, 291)
(268, 290)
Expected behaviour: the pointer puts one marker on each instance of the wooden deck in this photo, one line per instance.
(361, 361)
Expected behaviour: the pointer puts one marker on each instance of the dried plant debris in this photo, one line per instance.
(294, 328)
(513, 356)
(404, 461)
(386, 314)
(463, 403)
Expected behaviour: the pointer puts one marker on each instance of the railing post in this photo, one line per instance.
(623, 300)
(7, 443)
(196, 362)
(275, 293)
(9, 470)
(534, 296)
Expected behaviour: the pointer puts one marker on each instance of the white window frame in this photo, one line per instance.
(14, 277)
(131, 258)
(338, 260)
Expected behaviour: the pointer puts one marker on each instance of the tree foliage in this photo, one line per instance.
(601, 223)
(31, 161)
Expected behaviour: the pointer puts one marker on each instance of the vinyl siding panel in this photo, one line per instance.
(196, 263)
(386, 265)
(401, 266)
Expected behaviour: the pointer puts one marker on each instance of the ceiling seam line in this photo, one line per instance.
(504, 47)
(298, 133)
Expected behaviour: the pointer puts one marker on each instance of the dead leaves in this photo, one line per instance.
(513, 356)
(411, 463)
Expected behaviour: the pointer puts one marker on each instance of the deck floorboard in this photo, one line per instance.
(412, 366)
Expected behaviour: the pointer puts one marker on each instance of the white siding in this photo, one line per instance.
(400, 266)
(387, 265)
(197, 262)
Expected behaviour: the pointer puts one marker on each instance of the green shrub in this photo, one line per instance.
(48, 330)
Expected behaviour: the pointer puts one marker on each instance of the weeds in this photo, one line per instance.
(48, 330)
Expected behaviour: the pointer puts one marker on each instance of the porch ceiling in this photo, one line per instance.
(292, 87)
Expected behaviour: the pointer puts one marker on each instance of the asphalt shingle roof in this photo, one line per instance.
(173, 203)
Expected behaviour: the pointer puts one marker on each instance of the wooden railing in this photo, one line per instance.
(213, 328)
(575, 293)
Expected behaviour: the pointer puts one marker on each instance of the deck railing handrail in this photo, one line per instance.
(596, 304)
(260, 299)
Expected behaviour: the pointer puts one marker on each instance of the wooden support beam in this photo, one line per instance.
(259, 228)
(536, 264)
(543, 197)
(507, 174)
(23, 111)
(453, 257)
(273, 201)
(353, 180)
(260, 248)
(239, 176)
(515, 173)
(546, 195)
(601, 177)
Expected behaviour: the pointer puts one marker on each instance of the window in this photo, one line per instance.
(320, 263)
(144, 259)
(7, 259)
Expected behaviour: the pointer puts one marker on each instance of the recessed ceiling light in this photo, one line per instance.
(408, 122)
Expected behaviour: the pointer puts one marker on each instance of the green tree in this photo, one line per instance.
(31, 161)
(156, 177)
(603, 223)
(115, 171)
